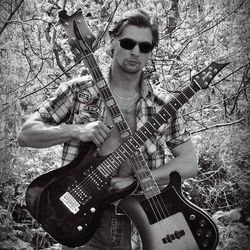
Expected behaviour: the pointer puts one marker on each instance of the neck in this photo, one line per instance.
(123, 81)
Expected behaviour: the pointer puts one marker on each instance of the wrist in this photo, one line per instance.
(69, 131)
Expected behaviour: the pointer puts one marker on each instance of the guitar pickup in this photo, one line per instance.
(70, 202)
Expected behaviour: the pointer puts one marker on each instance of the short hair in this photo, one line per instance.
(139, 18)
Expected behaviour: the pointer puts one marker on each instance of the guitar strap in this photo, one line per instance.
(71, 25)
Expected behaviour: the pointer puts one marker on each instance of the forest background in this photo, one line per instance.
(36, 59)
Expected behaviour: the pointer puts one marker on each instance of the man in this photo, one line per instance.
(76, 114)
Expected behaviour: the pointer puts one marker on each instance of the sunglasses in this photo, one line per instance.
(129, 44)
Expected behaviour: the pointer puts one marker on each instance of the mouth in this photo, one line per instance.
(133, 61)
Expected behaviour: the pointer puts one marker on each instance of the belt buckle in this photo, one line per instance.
(117, 212)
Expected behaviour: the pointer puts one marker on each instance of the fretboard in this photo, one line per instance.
(131, 145)
(130, 148)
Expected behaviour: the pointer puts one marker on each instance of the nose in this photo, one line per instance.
(136, 50)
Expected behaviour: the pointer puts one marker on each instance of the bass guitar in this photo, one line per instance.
(69, 202)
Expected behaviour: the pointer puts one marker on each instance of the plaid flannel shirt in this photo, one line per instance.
(78, 102)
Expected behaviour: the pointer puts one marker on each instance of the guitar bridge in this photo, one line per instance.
(70, 202)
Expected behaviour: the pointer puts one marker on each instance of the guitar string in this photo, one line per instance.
(155, 212)
(157, 209)
(163, 203)
(115, 166)
(158, 202)
(159, 199)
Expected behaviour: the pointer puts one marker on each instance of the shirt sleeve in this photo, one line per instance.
(56, 109)
(176, 133)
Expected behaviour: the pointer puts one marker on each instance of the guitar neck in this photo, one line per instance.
(131, 145)
(139, 164)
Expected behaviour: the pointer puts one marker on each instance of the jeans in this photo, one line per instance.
(113, 233)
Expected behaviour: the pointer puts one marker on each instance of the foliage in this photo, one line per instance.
(36, 58)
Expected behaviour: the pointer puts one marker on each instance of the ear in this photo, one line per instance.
(111, 50)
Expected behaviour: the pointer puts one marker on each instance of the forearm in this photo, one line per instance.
(186, 167)
(39, 135)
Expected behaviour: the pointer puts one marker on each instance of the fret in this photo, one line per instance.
(112, 163)
(123, 150)
(105, 167)
(164, 113)
(170, 106)
(178, 101)
(101, 83)
(175, 104)
(129, 150)
(197, 84)
(138, 138)
(156, 123)
(110, 103)
(183, 98)
(98, 79)
(170, 109)
(144, 173)
(118, 119)
(106, 93)
(96, 72)
(132, 143)
(90, 61)
(150, 127)
(103, 170)
(114, 111)
(191, 89)
(160, 119)
(118, 157)
(189, 93)
(141, 166)
(151, 189)
(125, 134)
(146, 181)
(140, 158)
(144, 133)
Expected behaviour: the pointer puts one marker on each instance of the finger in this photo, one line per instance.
(98, 139)
(106, 128)
(103, 133)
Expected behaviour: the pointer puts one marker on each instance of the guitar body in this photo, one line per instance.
(69, 202)
(169, 222)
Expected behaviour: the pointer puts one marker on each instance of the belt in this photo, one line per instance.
(116, 209)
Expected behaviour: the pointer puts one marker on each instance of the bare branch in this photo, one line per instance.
(219, 125)
(11, 15)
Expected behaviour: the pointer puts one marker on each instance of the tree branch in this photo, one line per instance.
(11, 15)
(219, 125)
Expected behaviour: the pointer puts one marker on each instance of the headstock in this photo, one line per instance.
(204, 77)
(77, 20)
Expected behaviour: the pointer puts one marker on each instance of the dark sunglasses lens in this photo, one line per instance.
(129, 44)
(145, 47)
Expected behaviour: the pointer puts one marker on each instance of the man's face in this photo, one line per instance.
(132, 61)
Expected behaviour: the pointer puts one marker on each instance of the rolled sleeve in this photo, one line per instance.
(176, 133)
(55, 110)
